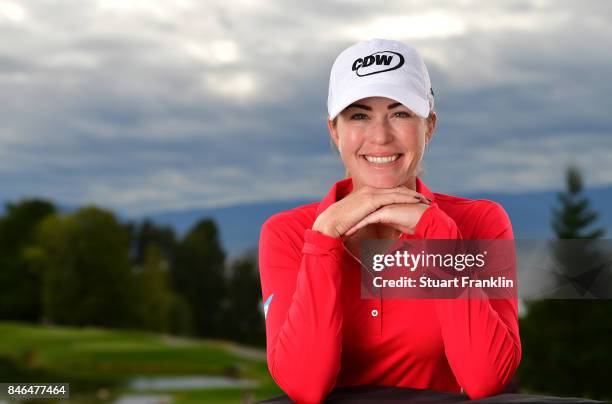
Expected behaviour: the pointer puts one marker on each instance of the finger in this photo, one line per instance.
(380, 200)
(374, 217)
(403, 190)
(385, 215)
(425, 199)
(353, 229)
(422, 198)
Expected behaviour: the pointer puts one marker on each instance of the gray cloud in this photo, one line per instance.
(145, 106)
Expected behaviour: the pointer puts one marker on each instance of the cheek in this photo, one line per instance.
(414, 143)
(350, 141)
(414, 137)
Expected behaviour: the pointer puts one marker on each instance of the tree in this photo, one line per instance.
(86, 271)
(152, 290)
(198, 277)
(149, 234)
(566, 343)
(245, 322)
(577, 262)
(19, 284)
(180, 319)
(574, 217)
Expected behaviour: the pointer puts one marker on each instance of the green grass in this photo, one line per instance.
(93, 358)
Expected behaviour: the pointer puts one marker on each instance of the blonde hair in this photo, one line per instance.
(347, 173)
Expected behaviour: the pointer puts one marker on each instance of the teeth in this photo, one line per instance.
(382, 160)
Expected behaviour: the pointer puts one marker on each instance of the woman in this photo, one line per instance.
(320, 333)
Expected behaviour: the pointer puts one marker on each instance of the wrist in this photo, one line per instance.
(422, 208)
(322, 227)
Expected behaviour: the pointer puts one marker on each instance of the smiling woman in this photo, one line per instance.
(320, 333)
(412, 128)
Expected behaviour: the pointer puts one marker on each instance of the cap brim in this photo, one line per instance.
(415, 103)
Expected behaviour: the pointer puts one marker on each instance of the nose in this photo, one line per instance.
(381, 132)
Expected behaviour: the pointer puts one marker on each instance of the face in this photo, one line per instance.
(381, 142)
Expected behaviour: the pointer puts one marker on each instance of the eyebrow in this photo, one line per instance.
(367, 108)
(360, 106)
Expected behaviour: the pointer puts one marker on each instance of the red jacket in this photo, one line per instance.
(321, 334)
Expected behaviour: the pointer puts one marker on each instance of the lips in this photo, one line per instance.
(380, 159)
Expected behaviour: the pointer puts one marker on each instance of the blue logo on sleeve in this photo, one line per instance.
(266, 304)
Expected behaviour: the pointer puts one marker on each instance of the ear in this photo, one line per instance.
(431, 126)
(333, 132)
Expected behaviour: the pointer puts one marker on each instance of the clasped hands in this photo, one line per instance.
(399, 207)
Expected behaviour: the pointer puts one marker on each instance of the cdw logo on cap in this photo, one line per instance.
(377, 63)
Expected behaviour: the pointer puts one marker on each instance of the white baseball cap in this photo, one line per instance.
(380, 68)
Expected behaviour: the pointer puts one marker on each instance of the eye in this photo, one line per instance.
(402, 114)
(359, 116)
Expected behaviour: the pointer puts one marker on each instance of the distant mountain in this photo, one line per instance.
(530, 214)
(239, 224)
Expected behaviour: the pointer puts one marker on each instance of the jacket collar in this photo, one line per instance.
(344, 187)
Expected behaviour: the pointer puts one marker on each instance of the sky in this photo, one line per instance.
(156, 105)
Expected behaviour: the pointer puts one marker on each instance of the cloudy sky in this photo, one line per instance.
(153, 105)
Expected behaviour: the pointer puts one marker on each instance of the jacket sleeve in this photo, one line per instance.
(481, 335)
(304, 315)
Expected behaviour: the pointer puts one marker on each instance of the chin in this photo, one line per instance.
(382, 182)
